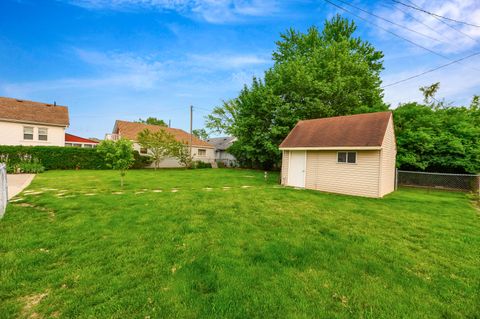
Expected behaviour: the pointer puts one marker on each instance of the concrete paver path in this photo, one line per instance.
(17, 183)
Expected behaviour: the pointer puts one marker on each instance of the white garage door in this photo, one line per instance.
(296, 169)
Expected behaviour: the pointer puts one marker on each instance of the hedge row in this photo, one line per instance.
(54, 157)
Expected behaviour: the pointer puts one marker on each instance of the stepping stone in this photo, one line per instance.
(157, 191)
(174, 190)
(246, 186)
(117, 193)
(139, 192)
(90, 194)
(208, 188)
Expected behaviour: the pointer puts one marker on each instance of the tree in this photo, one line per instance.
(181, 152)
(118, 155)
(315, 74)
(153, 121)
(201, 133)
(437, 137)
(159, 144)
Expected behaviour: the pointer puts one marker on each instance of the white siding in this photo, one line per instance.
(388, 157)
(285, 160)
(325, 174)
(11, 133)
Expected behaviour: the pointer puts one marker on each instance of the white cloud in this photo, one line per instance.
(120, 70)
(227, 61)
(214, 11)
(451, 41)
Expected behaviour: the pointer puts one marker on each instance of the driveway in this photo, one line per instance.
(17, 183)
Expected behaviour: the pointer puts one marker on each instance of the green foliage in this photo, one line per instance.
(153, 121)
(201, 133)
(181, 152)
(54, 157)
(140, 161)
(118, 155)
(440, 139)
(315, 74)
(200, 164)
(159, 144)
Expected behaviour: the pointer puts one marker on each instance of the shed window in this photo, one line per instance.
(42, 134)
(28, 133)
(347, 157)
(202, 152)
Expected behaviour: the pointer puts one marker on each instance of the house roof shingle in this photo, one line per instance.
(17, 110)
(69, 138)
(130, 131)
(221, 143)
(360, 130)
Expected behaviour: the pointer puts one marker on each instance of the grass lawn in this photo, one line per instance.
(200, 243)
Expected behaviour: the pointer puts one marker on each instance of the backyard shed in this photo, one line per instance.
(352, 155)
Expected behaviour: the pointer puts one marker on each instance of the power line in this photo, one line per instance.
(445, 23)
(412, 17)
(431, 70)
(393, 33)
(415, 7)
(389, 21)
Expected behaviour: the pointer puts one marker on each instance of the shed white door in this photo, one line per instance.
(296, 169)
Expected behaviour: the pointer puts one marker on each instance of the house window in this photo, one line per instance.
(28, 133)
(347, 157)
(68, 144)
(202, 152)
(143, 150)
(88, 145)
(42, 134)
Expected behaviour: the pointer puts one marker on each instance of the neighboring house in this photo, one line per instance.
(77, 141)
(201, 150)
(352, 155)
(25, 122)
(221, 145)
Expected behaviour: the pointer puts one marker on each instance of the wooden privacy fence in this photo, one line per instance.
(458, 182)
(3, 189)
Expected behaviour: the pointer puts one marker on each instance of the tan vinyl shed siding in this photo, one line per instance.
(388, 158)
(323, 173)
(285, 160)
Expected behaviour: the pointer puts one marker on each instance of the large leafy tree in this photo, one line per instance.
(438, 137)
(315, 74)
(152, 121)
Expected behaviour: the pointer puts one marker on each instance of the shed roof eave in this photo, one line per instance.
(332, 148)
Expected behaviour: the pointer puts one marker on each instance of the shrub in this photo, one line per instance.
(140, 160)
(200, 164)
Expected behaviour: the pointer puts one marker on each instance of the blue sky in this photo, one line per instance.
(126, 59)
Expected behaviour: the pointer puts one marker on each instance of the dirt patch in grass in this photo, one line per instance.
(29, 304)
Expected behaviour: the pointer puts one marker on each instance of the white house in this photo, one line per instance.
(221, 145)
(352, 155)
(201, 150)
(30, 123)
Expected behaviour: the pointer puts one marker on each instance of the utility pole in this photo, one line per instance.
(169, 123)
(191, 129)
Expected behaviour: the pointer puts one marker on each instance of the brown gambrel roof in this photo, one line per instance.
(130, 131)
(24, 111)
(360, 130)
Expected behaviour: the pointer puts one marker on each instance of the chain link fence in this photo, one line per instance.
(457, 182)
(3, 189)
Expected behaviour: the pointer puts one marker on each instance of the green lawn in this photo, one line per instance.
(176, 243)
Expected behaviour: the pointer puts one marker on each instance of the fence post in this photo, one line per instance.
(396, 178)
(3, 189)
